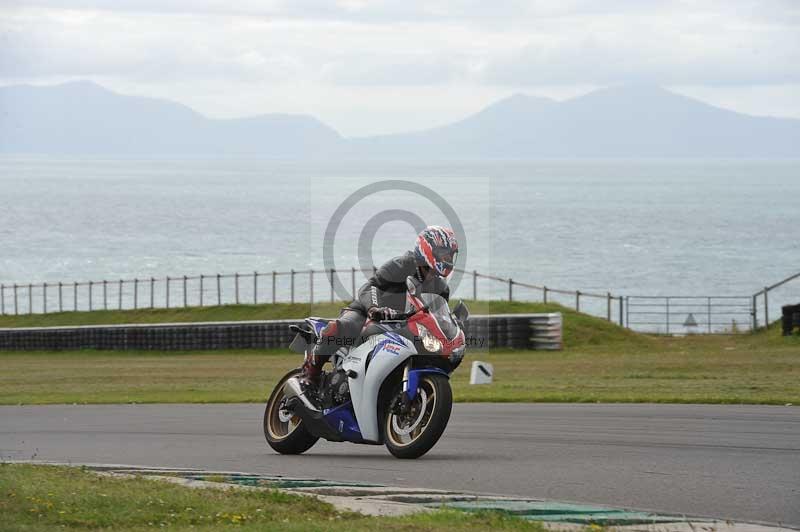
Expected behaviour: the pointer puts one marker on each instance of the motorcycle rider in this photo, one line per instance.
(382, 297)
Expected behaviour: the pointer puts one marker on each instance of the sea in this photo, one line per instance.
(628, 227)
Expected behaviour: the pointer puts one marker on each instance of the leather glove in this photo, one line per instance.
(381, 313)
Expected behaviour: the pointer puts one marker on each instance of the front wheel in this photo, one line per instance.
(414, 431)
(284, 431)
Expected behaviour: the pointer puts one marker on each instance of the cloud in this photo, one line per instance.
(356, 56)
(145, 46)
(667, 56)
(354, 42)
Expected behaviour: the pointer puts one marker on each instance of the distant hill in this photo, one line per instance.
(86, 119)
(629, 121)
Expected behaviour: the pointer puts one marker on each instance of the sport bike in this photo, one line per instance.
(390, 387)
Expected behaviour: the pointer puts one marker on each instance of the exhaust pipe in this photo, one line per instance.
(298, 402)
(293, 389)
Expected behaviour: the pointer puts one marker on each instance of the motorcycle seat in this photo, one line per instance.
(317, 324)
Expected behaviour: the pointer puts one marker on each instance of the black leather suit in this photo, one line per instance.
(386, 288)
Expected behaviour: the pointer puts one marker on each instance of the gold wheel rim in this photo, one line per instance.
(278, 428)
(404, 440)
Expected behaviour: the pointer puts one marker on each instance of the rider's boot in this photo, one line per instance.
(312, 370)
(319, 354)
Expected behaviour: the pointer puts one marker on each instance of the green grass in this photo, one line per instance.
(34, 498)
(600, 362)
(191, 314)
(597, 328)
(761, 368)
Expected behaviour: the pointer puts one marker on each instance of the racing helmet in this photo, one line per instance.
(436, 248)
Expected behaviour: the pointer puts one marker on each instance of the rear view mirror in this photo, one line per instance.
(412, 285)
(461, 312)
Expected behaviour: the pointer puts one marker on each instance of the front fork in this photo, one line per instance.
(405, 397)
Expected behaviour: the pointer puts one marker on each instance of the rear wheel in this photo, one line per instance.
(412, 431)
(284, 431)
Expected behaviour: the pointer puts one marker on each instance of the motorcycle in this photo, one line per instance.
(390, 387)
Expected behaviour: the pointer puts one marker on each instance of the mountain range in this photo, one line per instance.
(83, 118)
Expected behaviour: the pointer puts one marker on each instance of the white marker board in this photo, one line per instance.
(482, 373)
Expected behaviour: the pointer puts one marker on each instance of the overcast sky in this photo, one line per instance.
(368, 67)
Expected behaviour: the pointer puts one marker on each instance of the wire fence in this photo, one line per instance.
(689, 314)
(293, 286)
(657, 314)
(767, 302)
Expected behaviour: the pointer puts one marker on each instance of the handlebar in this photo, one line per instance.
(405, 315)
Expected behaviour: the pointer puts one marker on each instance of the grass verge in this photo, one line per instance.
(763, 368)
(601, 362)
(36, 498)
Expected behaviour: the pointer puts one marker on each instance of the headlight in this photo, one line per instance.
(429, 341)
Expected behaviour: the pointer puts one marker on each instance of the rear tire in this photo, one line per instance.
(284, 432)
(433, 404)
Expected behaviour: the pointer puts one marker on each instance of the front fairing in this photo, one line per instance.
(435, 319)
(368, 365)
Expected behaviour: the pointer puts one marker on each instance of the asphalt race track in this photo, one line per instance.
(737, 462)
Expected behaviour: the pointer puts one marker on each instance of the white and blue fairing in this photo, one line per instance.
(368, 365)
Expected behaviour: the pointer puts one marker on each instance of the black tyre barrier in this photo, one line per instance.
(515, 331)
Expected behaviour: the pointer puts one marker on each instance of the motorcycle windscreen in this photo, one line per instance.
(438, 307)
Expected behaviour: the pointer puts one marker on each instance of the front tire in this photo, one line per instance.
(415, 433)
(285, 432)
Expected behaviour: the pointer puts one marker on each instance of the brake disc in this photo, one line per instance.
(423, 397)
(283, 414)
